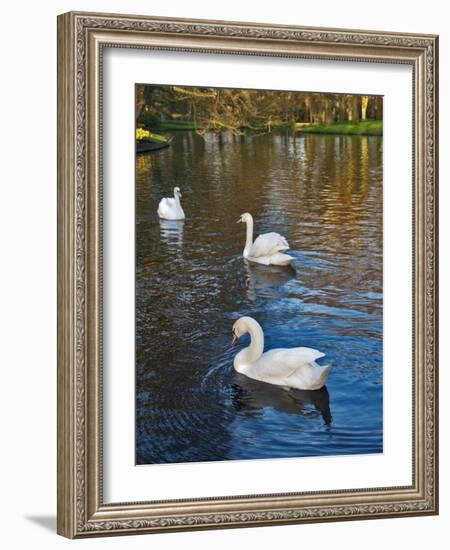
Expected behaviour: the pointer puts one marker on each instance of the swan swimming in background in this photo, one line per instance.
(267, 249)
(170, 208)
(288, 367)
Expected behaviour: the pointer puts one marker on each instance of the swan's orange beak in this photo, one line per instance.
(239, 220)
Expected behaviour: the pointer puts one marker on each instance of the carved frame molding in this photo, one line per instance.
(81, 39)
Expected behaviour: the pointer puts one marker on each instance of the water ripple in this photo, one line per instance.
(324, 193)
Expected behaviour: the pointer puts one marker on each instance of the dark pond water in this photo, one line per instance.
(324, 194)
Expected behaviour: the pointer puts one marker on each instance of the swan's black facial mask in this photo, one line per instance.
(235, 339)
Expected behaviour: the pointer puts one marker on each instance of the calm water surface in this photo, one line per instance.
(324, 194)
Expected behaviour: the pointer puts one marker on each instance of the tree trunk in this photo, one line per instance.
(364, 103)
(352, 109)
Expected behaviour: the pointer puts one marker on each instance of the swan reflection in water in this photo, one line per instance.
(260, 277)
(251, 394)
(172, 232)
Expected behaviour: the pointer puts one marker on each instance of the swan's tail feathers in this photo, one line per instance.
(281, 259)
(324, 372)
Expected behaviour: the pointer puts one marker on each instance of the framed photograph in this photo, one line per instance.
(247, 284)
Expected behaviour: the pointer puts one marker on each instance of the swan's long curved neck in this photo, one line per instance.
(254, 351)
(177, 199)
(256, 347)
(249, 237)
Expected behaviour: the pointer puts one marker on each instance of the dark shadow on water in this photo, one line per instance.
(260, 277)
(46, 522)
(251, 394)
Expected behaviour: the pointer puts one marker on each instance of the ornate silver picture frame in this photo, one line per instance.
(82, 39)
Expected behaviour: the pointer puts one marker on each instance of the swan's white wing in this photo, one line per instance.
(169, 209)
(294, 367)
(283, 362)
(267, 245)
(166, 205)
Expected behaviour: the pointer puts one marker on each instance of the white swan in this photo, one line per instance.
(290, 368)
(170, 208)
(267, 249)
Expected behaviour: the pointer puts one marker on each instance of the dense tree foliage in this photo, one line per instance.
(216, 109)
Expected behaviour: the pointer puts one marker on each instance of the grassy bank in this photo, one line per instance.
(361, 128)
(176, 125)
(172, 125)
(146, 135)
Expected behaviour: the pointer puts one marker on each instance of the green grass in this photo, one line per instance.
(361, 128)
(157, 138)
(176, 125)
(190, 125)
